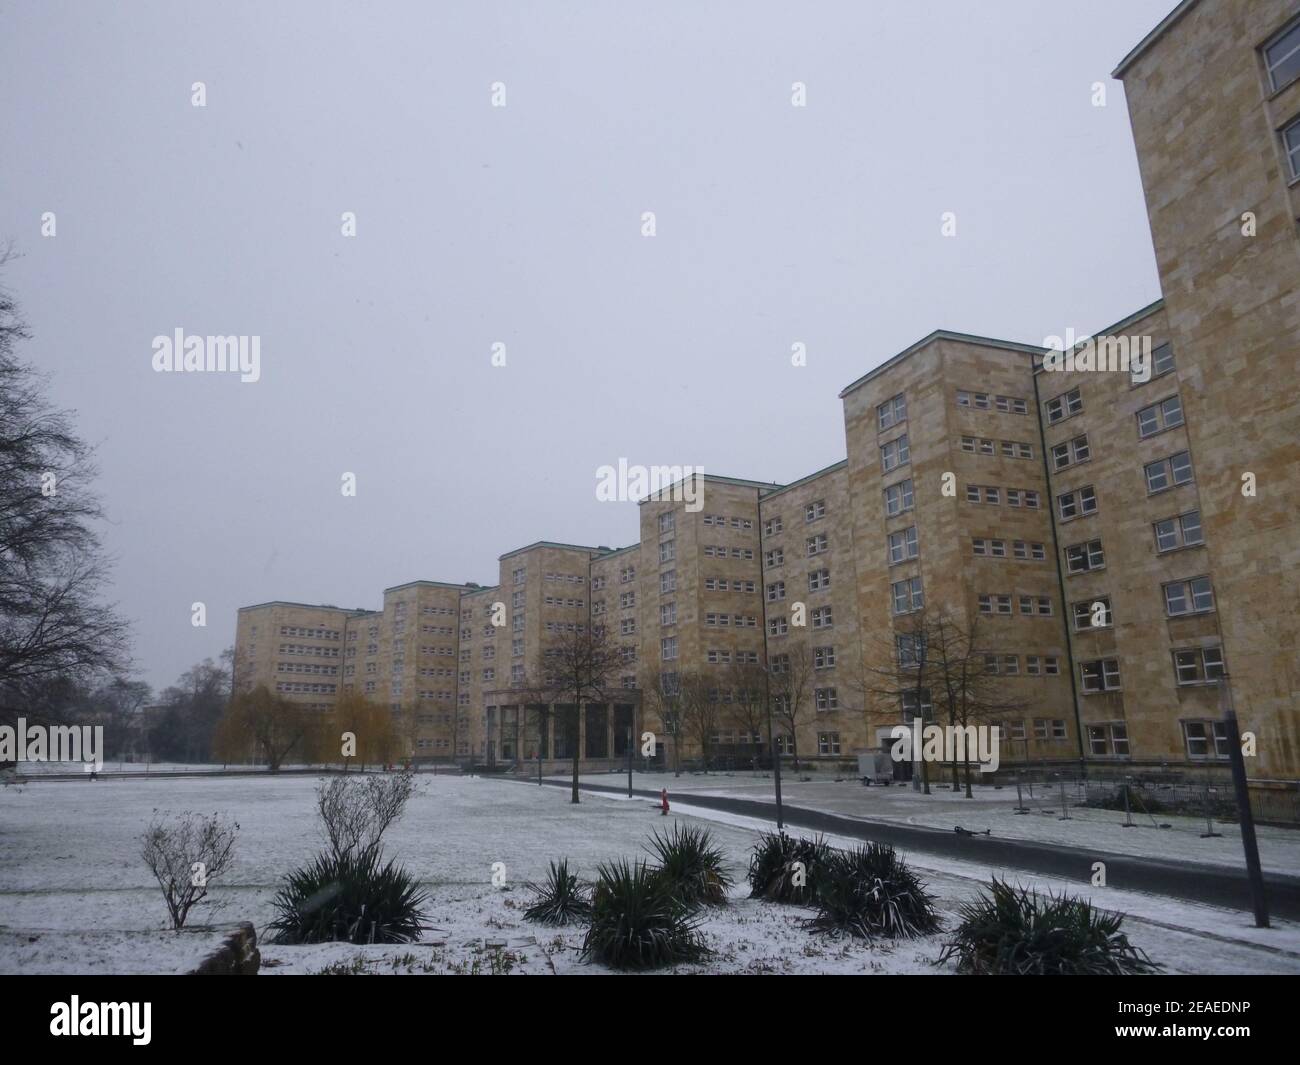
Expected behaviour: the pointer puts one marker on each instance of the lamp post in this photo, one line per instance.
(1246, 817)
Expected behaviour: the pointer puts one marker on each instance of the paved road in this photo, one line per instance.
(1215, 885)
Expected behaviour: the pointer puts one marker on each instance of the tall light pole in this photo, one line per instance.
(1246, 817)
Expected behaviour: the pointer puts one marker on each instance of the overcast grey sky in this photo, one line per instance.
(522, 225)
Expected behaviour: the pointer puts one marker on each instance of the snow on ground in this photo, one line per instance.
(994, 809)
(75, 896)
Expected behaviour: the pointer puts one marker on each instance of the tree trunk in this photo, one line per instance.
(577, 751)
(968, 791)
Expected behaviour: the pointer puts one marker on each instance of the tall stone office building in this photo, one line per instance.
(1122, 538)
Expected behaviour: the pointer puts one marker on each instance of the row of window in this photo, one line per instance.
(982, 401)
(1009, 449)
(1024, 550)
(308, 649)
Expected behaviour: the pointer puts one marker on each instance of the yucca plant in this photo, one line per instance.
(637, 922)
(870, 891)
(692, 866)
(784, 869)
(348, 898)
(1011, 930)
(560, 900)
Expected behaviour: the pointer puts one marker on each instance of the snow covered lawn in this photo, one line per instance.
(75, 896)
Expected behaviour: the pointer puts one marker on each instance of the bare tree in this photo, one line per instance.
(895, 671)
(664, 699)
(52, 569)
(932, 661)
(749, 708)
(791, 693)
(185, 855)
(701, 713)
(577, 669)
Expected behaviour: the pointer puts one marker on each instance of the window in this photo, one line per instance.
(1077, 504)
(1162, 362)
(898, 498)
(1011, 405)
(902, 545)
(1101, 675)
(1092, 614)
(822, 618)
(1182, 531)
(911, 648)
(826, 699)
(1014, 449)
(1206, 739)
(816, 544)
(777, 626)
(1282, 57)
(908, 595)
(1108, 739)
(1036, 604)
(667, 522)
(819, 580)
(668, 614)
(1159, 416)
(772, 526)
(1198, 665)
(668, 648)
(668, 582)
(978, 400)
(891, 412)
(1080, 558)
(823, 657)
(1063, 406)
(519, 575)
(814, 511)
(667, 551)
(1291, 145)
(776, 591)
(995, 604)
(912, 699)
(1166, 473)
(774, 558)
(894, 454)
(828, 743)
(1189, 597)
(1070, 452)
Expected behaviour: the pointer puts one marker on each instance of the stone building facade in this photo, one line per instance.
(1118, 540)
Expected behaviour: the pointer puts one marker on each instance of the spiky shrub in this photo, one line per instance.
(692, 866)
(870, 891)
(348, 898)
(637, 922)
(785, 869)
(1013, 931)
(560, 900)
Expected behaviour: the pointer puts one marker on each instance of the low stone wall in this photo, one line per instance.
(237, 956)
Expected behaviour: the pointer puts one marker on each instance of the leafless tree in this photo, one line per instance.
(664, 699)
(791, 693)
(185, 854)
(577, 669)
(53, 622)
(749, 707)
(701, 713)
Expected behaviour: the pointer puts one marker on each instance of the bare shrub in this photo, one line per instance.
(355, 813)
(185, 854)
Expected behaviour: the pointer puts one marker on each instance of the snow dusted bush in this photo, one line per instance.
(185, 854)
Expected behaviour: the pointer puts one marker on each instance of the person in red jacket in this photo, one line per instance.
(663, 802)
